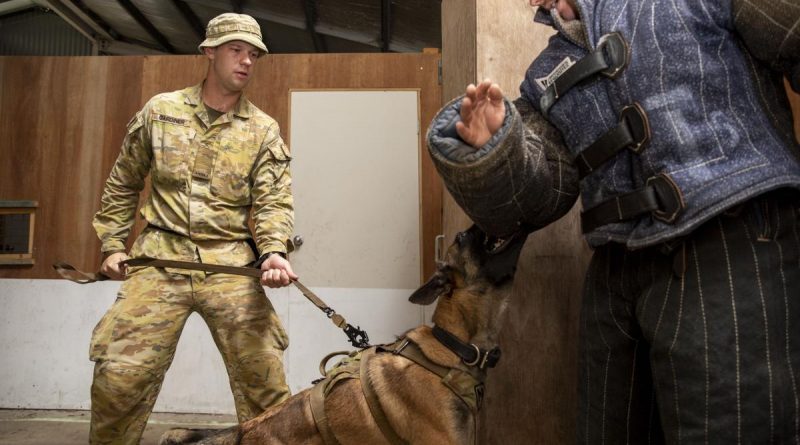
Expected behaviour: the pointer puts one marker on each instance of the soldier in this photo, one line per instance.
(212, 156)
(671, 122)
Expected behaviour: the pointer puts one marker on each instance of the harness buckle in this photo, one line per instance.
(400, 347)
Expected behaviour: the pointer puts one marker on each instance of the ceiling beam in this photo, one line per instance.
(194, 21)
(70, 11)
(12, 6)
(310, 10)
(146, 24)
(101, 38)
(73, 20)
(299, 22)
(386, 25)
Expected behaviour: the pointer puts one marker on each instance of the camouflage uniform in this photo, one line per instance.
(205, 178)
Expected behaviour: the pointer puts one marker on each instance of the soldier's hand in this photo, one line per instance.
(277, 272)
(112, 268)
(482, 113)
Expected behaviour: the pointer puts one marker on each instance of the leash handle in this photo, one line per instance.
(357, 336)
(69, 272)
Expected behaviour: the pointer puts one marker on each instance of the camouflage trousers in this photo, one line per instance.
(134, 343)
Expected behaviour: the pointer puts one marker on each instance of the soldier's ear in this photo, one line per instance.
(439, 284)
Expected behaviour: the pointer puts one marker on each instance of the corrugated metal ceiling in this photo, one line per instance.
(289, 26)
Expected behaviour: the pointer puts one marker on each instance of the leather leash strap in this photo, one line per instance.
(358, 337)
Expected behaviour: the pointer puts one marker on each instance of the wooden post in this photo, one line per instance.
(531, 397)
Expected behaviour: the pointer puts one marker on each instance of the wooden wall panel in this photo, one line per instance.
(55, 147)
(534, 399)
(531, 396)
(70, 115)
(459, 69)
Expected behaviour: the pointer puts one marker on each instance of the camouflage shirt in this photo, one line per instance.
(205, 177)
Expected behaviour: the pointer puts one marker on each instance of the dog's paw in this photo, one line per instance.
(178, 436)
(184, 436)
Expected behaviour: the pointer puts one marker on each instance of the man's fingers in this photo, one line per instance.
(471, 90)
(278, 277)
(112, 268)
(266, 278)
(290, 273)
(495, 93)
(462, 130)
(285, 278)
(483, 87)
(466, 110)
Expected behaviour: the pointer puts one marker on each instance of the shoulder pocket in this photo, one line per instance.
(280, 152)
(135, 123)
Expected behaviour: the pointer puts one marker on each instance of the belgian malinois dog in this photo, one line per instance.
(424, 389)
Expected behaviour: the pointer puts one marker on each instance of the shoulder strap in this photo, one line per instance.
(320, 418)
(374, 404)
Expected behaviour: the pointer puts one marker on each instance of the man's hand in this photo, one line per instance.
(482, 113)
(277, 272)
(112, 268)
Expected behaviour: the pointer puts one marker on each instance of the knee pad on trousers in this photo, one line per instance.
(258, 382)
(124, 381)
(122, 399)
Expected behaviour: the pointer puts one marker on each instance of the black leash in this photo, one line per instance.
(357, 336)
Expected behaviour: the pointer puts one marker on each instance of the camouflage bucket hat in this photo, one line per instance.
(227, 27)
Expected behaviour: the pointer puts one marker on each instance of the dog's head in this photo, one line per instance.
(475, 261)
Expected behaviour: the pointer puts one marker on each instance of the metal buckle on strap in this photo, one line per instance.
(660, 197)
(670, 198)
(632, 132)
(483, 358)
(400, 347)
(618, 52)
(477, 356)
(609, 59)
(635, 118)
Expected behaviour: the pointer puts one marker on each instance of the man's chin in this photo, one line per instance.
(238, 85)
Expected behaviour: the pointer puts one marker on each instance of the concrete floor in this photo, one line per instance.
(50, 427)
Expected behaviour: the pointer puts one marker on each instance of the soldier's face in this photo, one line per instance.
(233, 64)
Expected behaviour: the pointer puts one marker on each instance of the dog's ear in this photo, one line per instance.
(439, 284)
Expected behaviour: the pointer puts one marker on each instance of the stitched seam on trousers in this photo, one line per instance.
(736, 334)
(766, 327)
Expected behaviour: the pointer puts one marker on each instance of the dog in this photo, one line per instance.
(426, 388)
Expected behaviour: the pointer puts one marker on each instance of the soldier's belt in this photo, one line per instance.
(357, 336)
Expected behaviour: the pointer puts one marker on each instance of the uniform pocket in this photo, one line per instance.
(103, 332)
(171, 143)
(281, 158)
(231, 177)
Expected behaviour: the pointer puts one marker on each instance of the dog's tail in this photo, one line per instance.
(183, 436)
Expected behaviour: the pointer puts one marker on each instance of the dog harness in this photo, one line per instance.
(466, 386)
